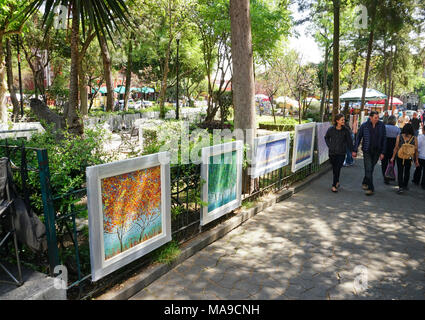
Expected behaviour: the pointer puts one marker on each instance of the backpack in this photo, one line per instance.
(407, 149)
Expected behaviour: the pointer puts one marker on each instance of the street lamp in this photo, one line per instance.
(178, 37)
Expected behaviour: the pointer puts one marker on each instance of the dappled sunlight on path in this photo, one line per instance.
(308, 247)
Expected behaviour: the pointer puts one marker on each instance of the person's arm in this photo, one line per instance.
(358, 140)
(416, 153)
(328, 137)
(395, 148)
(350, 140)
(383, 143)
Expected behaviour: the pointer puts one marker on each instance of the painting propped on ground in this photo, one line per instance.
(131, 209)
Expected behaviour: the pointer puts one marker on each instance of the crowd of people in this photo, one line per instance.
(397, 141)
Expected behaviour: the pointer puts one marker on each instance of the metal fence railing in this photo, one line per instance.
(67, 229)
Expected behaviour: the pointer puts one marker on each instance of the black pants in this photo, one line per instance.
(337, 162)
(370, 160)
(420, 172)
(403, 172)
(384, 165)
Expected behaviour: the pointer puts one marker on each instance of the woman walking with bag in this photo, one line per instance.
(406, 150)
(392, 133)
(338, 139)
(420, 171)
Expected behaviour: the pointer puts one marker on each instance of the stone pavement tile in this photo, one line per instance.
(294, 291)
(249, 285)
(279, 287)
(143, 295)
(266, 293)
(220, 292)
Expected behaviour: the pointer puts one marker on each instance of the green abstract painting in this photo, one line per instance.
(222, 180)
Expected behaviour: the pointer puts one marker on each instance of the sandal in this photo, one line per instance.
(334, 189)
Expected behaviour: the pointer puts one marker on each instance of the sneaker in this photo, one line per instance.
(400, 190)
(369, 192)
(365, 186)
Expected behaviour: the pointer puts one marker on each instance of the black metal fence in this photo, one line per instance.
(67, 229)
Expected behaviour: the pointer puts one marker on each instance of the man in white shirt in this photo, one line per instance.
(420, 171)
(403, 120)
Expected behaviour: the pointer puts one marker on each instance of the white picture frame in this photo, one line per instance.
(216, 151)
(322, 148)
(297, 163)
(100, 266)
(257, 168)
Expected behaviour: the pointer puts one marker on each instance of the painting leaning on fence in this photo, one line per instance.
(303, 146)
(129, 211)
(222, 173)
(271, 152)
(322, 148)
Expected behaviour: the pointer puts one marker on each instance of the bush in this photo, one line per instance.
(313, 115)
(68, 159)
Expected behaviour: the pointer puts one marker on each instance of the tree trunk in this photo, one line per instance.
(390, 81)
(243, 74)
(12, 89)
(325, 82)
(335, 109)
(369, 55)
(3, 85)
(386, 74)
(74, 122)
(128, 73)
(164, 80)
(83, 91)
(366, 73)
(392, 95)
(106, 58)
(166, 66)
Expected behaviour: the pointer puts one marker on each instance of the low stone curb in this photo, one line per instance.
(132, 286)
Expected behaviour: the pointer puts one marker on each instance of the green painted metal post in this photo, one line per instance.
(48, 208)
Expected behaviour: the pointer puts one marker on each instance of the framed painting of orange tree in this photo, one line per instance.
(129, 211)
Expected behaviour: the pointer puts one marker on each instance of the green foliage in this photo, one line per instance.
(168, 253)
(68, 159)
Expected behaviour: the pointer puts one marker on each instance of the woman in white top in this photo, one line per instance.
(420, 171)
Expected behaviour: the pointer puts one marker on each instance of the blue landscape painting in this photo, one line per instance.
(271, 153)
(305, 140)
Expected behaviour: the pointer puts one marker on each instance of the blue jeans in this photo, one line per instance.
(370, 160)
(349, 158)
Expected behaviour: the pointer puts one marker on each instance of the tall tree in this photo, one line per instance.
(369, 50)
(10, 82)
(243, 70)
(107, 73)
(102, 16)
(336, 62)
(11, 23)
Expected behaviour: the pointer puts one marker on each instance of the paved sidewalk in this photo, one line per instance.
(308, 247)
